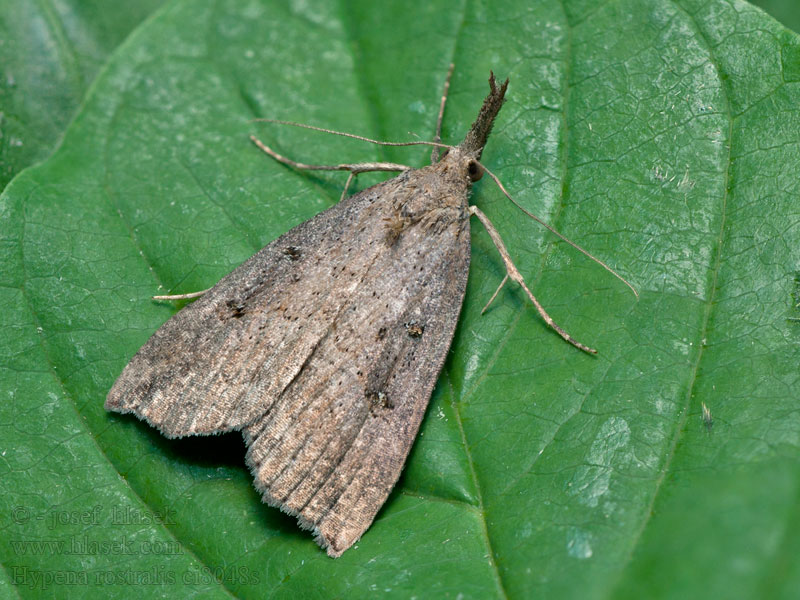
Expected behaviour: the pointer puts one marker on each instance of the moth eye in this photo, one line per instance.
(475, 170)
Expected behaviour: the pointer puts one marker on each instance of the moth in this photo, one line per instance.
(324, 347)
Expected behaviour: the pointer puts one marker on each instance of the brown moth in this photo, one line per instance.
(324, 347)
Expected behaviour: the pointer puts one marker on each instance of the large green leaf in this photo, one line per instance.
(49, 54)
(661, 135)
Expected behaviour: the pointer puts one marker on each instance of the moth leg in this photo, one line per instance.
(497, 291)
(346, 187)
(182, 296)
(515, 275)
(354, 168)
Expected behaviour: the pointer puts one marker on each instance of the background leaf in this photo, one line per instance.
(784, 10)
(660, 135)
(49, 54)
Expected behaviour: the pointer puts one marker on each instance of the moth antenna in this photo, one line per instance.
(438, 135)
(553, 230)
(353, 135)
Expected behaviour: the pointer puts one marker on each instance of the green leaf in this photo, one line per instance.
(784, 11)
(49, 54)
(662, 136)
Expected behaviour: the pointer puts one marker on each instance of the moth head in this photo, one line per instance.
(463, 164)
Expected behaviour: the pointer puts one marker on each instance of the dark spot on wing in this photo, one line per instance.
(414, 328)
(236, 308)
(378, 399)
(292, 252)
